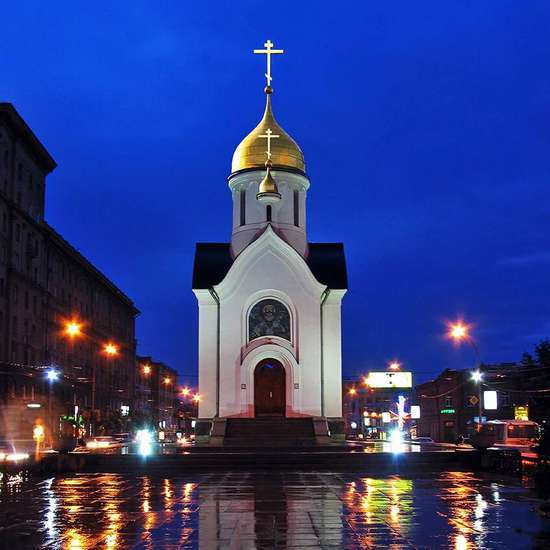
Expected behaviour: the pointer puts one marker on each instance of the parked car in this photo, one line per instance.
(422, 439)
(103, 442)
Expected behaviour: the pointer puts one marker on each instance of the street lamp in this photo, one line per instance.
(110, 349)
(394, 365)
(185, 392)
(167, 380)
(477, 376)
(52, 375)
(460, 332)
(73, 329)
(146, 369)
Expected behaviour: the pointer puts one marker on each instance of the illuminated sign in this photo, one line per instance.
(386, 417)
(490, 400)
(521, 412)
(415, 411)
(447, 411)
(389, 379)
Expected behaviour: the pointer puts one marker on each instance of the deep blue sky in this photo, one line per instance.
(426, 131)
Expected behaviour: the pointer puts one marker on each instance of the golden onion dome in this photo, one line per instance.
(251, 152)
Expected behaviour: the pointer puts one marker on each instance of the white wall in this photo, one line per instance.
(332, 353)
(270, 268)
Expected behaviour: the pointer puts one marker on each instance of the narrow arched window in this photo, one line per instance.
(297, 208)
(269, 318)
(243, 206)
(268, 212)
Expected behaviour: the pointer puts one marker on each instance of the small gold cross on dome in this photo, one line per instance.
(269, 51)
(269, 135)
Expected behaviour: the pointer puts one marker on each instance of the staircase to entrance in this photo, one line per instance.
(269, 432)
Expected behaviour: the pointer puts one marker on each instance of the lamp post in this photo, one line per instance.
(459, 332)
(52, 375)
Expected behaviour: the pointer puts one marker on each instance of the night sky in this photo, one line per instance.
(426, 132)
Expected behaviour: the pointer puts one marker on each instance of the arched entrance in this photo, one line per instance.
(269, 388)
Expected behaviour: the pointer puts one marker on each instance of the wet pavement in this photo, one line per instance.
(269, 510)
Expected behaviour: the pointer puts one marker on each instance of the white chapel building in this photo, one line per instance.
(269, 300)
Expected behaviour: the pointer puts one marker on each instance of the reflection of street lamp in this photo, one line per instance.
(459, 332)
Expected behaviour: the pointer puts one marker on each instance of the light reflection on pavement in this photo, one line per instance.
(267, 510)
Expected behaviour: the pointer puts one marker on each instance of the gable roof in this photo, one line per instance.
(326, 261)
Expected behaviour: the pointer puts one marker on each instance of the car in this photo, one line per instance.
(102, 442)
(422, 439)
(124, 438)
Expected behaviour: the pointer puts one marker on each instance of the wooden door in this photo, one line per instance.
(269, 388)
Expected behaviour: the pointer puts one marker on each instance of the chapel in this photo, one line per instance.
(269, 300)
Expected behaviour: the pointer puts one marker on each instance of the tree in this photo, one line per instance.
(527, 360)
(542, 352)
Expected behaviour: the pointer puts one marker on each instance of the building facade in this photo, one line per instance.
(373, 413)
(46, 283)
(450, 404)
(269, 300)
(156, 393)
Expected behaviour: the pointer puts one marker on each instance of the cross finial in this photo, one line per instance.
(269, 51)
(269, 135)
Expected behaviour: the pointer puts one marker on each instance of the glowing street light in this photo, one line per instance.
(459, 331)
(73, 329)
(477, 376)
(196, 398)
(146, 369)
(185, 392)
(352, 391)
(167, 380)
(395, 365)
(110, 349)
(52, 375)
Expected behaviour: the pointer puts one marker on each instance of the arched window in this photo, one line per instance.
(242, 212)
(269, 318)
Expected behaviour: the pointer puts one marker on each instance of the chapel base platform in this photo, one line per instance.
(270, 432)
(314, 459)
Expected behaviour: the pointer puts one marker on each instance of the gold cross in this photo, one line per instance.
(269, 135)
(269, 52)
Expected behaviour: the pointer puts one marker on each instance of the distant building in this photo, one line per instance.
(157, 393)
(45, 283)
(449, 404)
(366, 410)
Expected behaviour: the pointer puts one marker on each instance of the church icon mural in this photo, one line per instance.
(269, 318)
